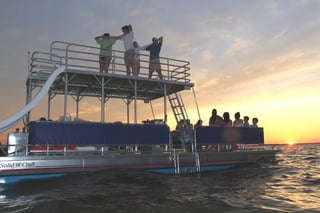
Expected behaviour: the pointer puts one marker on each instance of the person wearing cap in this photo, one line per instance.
(105, 41)
(154, 62)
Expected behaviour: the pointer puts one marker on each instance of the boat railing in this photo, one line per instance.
(86, 58)
(43, 63)
(102, 149)
(97, 149)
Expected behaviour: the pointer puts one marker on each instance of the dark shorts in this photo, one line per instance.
(154, 64)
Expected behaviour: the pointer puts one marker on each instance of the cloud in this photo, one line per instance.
(280, 34)
(11, 31)
(239, 46)
(257, 51)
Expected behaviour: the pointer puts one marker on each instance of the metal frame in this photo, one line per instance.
(83, 79)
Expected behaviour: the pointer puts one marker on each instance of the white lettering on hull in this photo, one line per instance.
(17, 165)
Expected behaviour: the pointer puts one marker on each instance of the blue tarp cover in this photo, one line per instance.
(71, 133)
(229, 135)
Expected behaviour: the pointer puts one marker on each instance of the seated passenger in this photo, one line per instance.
(188, 127)
(238, 122)
(246, 121)
(42, 119)
(183, 134)
(199, 123)
(215, 120)
(226, 122)
(180, 126)
(254, 122)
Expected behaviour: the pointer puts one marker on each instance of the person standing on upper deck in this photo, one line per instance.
(127, 38)
(154, 62)
(137, 49)
(105, 41)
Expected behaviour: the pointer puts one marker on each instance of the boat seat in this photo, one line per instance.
(90, 133)
(228, 135)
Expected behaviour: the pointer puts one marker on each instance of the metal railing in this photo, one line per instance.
(87, 58)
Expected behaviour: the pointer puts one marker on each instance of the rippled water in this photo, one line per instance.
(290, 184)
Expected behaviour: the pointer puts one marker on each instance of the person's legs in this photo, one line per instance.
(131, 61)
(101, 63)
(107, 63)
(151, 67)
(150, 71)
(159, 73)
(157, 67)
(126, 61)
(137, 68)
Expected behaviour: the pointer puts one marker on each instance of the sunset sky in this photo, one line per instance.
(261, 58)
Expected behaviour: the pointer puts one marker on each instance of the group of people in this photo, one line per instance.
(132, 52)
(225, 121)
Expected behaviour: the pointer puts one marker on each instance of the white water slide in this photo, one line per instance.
(9, 122)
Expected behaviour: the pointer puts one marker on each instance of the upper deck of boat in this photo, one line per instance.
(82, 78)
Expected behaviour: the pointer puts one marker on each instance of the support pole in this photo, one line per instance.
(135, 101)
(195, 99)
(49, 107)
(77, 106)
(29, 89)
(152, 109)
(65, 96)
(128, 111)
(102, 101)
(165, 102)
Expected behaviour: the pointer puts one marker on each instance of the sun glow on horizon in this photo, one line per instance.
(291, 143)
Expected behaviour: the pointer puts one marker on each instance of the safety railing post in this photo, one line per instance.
(168, 69)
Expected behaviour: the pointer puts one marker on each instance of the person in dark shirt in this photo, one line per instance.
(215, 119)
(154, 62)
(246, 121)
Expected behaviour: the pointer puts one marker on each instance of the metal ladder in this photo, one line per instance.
(177, 106)
(178, 168)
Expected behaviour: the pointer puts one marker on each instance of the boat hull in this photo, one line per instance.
(28, 167)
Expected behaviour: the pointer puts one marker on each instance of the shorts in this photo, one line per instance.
(129, 57)
(154, 64)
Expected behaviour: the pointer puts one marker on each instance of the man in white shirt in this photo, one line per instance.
(127, 38)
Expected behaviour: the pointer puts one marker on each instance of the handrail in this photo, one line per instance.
(73, 54)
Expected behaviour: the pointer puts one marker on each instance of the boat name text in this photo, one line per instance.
(17, 165)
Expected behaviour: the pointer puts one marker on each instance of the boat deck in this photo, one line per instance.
(82, 77)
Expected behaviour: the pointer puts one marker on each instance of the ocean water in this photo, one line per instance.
(289, 184)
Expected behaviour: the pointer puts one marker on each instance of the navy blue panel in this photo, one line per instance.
(229, 135)
(69, 133)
